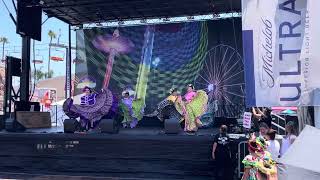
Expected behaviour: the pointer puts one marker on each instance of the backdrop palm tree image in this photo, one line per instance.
(52, 35)
(4, 41)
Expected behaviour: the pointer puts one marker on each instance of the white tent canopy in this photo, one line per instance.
(302, 160)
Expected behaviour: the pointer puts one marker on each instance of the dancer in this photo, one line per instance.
(195, 107)
(92, 108)
(132, 110)
(259, 164)
(88, 98)
(171, 107)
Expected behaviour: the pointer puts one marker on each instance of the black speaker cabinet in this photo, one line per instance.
(71, 125)
(172, 126)
(109, 126)
(29, 16)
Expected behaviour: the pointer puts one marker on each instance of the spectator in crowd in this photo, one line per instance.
(263, 130)
(221, 153)
(262, 115)
(289, 138)
(266, 116)
(274, 145)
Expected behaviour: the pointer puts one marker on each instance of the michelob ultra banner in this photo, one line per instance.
(281, 42)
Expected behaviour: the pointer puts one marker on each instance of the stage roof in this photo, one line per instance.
(77, 12)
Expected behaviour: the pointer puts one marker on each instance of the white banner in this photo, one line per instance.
(247, 120)
(281, 41)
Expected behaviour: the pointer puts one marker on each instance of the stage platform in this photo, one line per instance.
(143, 152)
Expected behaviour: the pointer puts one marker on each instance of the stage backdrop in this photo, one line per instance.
(281, 42)
(152, 59)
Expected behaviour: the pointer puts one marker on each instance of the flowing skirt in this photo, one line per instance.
(90, 113)
(194, 110)
(131, 116)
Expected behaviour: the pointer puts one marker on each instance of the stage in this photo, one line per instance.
(132, 153)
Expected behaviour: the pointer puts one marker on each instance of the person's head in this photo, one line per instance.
(126, 94)
(223, 129)
(190, 88)
(271, 135)
(290, 128)
(87, 90)
(263, 128)
(174, 91)
(116, 33)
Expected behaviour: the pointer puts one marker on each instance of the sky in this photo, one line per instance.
(13, 48)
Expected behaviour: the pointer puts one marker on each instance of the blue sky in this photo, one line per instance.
(8, 30)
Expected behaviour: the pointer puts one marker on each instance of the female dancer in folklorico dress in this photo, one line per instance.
(195, 106)
(259, 164)
(92, 108)
(131, 109)
(188, 108)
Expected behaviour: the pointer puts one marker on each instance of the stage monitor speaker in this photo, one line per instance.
(71, 125)
(29, 18)
(109, 126)
(172, 126)
(12, 125)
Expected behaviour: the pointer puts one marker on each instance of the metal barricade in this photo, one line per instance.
(242, 152)
(57, 114)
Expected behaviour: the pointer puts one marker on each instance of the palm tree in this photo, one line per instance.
(4, 41)
(52, 35)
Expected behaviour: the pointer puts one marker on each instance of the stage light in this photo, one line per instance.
(190, 17)
(98, 24)
(166, 19)
(211, 87)
(143, 21)
(156, 62)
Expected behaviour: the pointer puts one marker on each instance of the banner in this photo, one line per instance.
(247, 120)
(152, 59)
(281, 43)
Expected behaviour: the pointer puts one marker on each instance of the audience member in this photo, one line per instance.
(274, 145)
(289, 138)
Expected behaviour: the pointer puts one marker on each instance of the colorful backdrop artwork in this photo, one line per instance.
(152, 59)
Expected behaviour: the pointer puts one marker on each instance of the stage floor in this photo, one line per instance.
(139, 153)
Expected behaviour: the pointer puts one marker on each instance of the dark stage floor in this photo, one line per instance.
(139, 131)
(140, 153)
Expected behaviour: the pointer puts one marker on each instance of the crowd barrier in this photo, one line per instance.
(242, 152)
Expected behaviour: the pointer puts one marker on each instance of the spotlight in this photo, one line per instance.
(98, 24)
(190, 17)
(143, 21)
(166, 19)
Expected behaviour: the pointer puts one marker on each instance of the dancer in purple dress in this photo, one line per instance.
(89, 98)
(93, 107)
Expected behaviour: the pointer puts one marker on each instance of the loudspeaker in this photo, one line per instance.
(109, 126)
(29, 17)
(12, 125)
(71, 125)
(13, 66)
(172, 126)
